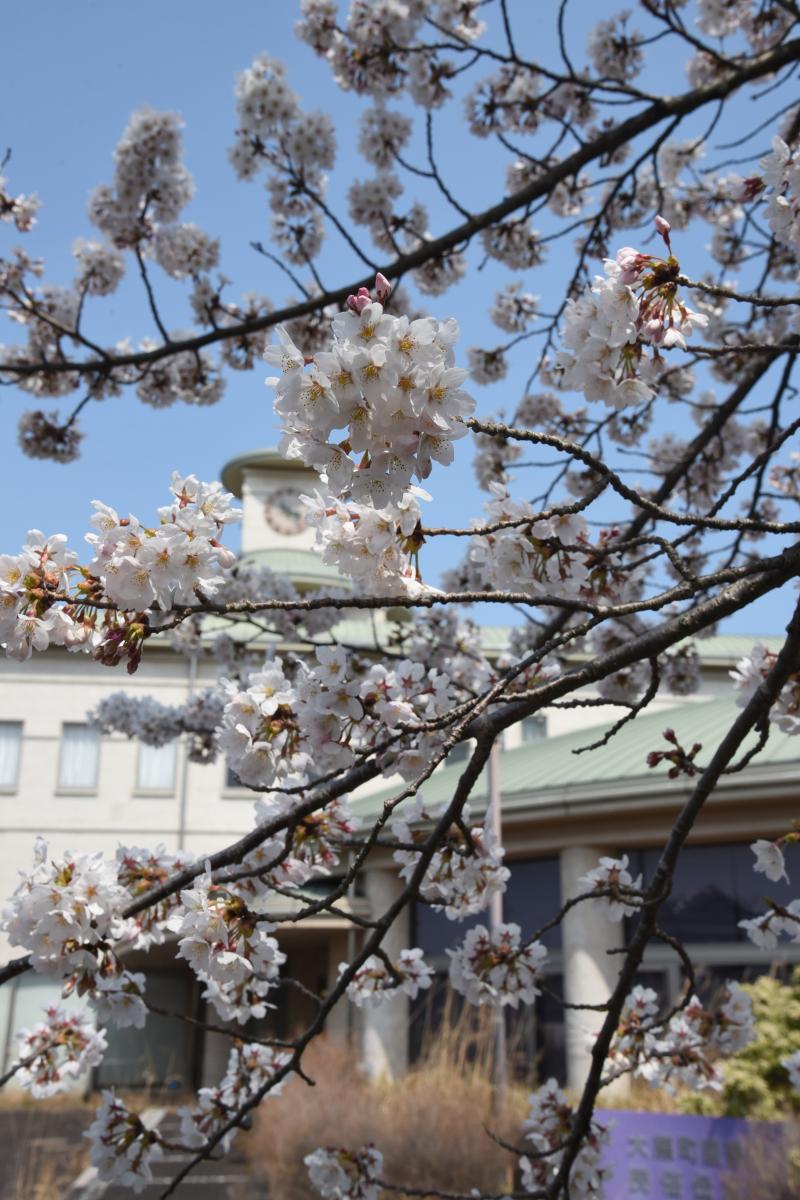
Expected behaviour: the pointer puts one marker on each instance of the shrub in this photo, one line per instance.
(430, 1125)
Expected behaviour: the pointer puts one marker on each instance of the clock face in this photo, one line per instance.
(283, 511)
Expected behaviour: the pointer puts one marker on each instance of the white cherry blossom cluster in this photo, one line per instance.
(316, 846)
(99, 268)
(492, 458)
(383, 134)
(497, 969)
(295, 148)
(615, 52)
(766, 930)
(151, 185)
(376, 980)
(18, 210)
(57, 1051)
(374, 548)
(487, 366)
(118, 998)
(607, 330)
(139, 566)
(139, 870)
(781, 169)
(63, 909)
(390, 388)
(547, 1127)
(769, 860)
(47, 597)
(260, 734)
(156, 724)
(223, 941)
(507, 101)
(185, 250)
(685, 1048)
(140, 211)
(370, 54)
(123, 1149)
(42, 435)
(250, 1068)
(466, 870)
(750, 673)
(515, 243)
(611, 875)
(26, 625)
(514, 310)
(762, 25)
(191, 376)
(340, 1174)
(550, 556)
(327, 711)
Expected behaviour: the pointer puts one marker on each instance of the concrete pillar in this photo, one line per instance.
(341, 1019)
(590, 973)
(384, 1029)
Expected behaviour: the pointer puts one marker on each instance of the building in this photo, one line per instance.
(561, 811)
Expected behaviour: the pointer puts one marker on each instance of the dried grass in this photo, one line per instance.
(770, 1166)
(431, 1125)
(43, 1177)
(641, 1097)
(44, 1150)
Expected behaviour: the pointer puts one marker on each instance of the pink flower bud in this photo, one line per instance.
(359, 302)
(663, 227)
(383, 289)
(631, 264)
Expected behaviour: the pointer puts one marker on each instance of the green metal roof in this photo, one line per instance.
(267, 459)
(551, 764)
(304, 567)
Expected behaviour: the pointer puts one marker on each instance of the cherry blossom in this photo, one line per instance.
(375, 980)
(221, 939)
(389, 384)
(749, 674)
(63, 909)
(497, 968)
(57, 1052)
(769, 860)
(339, 1173)
(547, 1126)
(464, 873)
(251, 1068)
(611, 875)
(684, 1048)
(123, 1150)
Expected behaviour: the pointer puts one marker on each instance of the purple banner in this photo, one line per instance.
(661, 1156)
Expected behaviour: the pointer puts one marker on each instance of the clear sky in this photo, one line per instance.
(72, 74)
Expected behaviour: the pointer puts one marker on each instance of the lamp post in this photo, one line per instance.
(494, 822)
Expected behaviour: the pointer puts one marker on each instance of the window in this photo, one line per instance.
(10, 744)
(714, 887)
(531, 898)
(533, 729)
(80, 757)
(155, 767)
(232, 780)
(460, 752)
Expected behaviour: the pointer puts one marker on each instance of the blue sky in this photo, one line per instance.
(72, 74)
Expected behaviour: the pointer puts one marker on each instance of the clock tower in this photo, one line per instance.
(274, 531)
